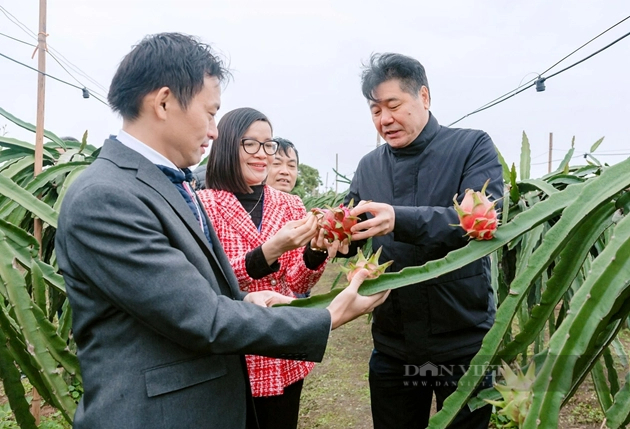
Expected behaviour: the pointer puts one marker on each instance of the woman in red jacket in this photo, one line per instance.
(267, 235)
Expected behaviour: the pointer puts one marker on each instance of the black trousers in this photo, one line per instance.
(281, 411)
(401, 394)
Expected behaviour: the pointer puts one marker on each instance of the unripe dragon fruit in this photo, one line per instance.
(336, 222)
(517, 394)
(477, 215)
(370, 264)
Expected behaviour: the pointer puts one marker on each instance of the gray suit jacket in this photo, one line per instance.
(157, 314)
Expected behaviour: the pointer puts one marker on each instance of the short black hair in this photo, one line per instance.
(224, 162)
(387, 66)
(174, 60)
(284, 145)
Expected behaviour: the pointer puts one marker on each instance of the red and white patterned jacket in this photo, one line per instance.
(239, 235)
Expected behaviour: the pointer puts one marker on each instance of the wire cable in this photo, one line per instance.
(590, 56)
(583, 155)
(17, 22)
(72, 76)
(52, 77)
(18, 40)
(600, 34)
(92, 91)
(558, 62)
(532, 82)
(50, 48)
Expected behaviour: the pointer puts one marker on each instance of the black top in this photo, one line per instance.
(255, 262)
(444, 318)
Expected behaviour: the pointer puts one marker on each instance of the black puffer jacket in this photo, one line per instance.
(444, 318)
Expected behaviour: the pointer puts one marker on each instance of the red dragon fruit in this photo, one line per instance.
(336, 222)
(370, 264)
(477, 215)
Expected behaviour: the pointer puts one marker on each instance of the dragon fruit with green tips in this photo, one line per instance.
(517, 395)
(477, 214)
(336, 222)
(370, 264)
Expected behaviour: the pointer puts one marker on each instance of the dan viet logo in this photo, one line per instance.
(430, 374)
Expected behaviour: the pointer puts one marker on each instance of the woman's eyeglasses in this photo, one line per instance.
(252, 146)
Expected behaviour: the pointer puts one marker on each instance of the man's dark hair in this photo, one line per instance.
(70, 139)
(172, 60)
(284, 145)
(224, 162)
(384, 67)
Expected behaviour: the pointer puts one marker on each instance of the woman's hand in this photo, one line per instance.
(293, 235)
(320, 242)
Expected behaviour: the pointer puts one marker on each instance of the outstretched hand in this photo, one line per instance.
(349, 305)
(267, 298)
(382, 222)
(332, 247)
(292, 235)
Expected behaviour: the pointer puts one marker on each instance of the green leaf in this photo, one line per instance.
(525, 157)
(38, 287)
(565, 179)
(479, 401)
(89, 150)
(27, 126)
(24, 198)
(601, 387)
(24, 310)
(25, 244)
(536, 185)
(564, 165)
(314, 301)
(12, 169)
(51, 276)
(83, 141)
(620, 352)
(70, 178)
(570, 261)
(13, 389)
(595, 160)
(474, 250)
(23, 146)
(515, 195)
(618, 414)
(596, 144)
(613, 377)
(18, 349)
(39, 183)
(65, 321)
(591, 195)
(504, 166)
(606, 286)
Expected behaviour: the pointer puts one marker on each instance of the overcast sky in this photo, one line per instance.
(299, 62)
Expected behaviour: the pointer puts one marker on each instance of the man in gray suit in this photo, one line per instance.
(158, 318)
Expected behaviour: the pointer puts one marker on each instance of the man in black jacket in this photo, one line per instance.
(424, 334)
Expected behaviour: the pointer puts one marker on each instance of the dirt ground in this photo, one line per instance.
(336, 394)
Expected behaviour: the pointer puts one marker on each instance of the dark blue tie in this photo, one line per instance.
(179, 177)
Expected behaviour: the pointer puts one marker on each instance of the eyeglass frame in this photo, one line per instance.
(261, 144)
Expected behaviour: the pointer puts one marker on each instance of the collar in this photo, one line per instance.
(420, 143)
(143, 149)
(176, 176)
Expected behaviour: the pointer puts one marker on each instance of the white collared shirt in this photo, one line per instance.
(157, 158)
(143, 149)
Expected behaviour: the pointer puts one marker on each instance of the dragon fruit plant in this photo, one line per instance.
(517, 394)
(370, 264)
(336, 222)
(477, 215)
